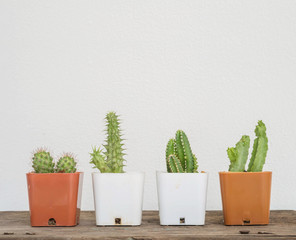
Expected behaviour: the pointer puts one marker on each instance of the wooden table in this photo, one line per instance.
(16, 225)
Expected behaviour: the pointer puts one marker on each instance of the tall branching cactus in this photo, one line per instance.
(179, 156)
(111, 160)
(238, 156)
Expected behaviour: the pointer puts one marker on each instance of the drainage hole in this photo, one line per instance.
(118, 221)
(51, 222)
(247, 221)
(182, 220)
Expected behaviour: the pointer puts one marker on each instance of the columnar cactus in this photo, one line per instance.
(111, 160)
(179, 156)
(42, 162)
(174, 164)
(66, 164)
(260, 148)
(238, 156)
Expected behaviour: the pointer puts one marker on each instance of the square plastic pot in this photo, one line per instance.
(245, 197)
(54, 198)
(118, 198)
(182, 198)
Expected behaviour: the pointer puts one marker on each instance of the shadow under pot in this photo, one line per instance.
(245, 197)
(118, 198)
(54, 198)
(182, 198)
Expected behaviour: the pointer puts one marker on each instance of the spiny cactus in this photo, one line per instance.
(179, 156)
(170, 150)
(260, 148)
(238, 156)
(174, 164)
(66, 164)
(111, 160)
(42, 162)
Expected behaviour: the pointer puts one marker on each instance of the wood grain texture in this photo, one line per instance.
(282, 226)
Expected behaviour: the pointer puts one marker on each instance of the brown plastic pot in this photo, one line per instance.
(54, 198)
(245, 197)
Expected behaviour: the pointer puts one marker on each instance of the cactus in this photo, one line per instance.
(260, 148)
(111, 160)
(179, 156)
(66, 164)
(42, 162)
(99, 160)
(174, 164)
(239, 155)
(170, 150)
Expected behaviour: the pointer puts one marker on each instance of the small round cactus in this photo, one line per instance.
(66, 164)
(42, 162)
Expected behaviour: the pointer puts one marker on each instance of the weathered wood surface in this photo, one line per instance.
(282, 226)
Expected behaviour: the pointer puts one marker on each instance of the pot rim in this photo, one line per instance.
(124, 173)
(52, 174)
(244, 173)
(163, 172)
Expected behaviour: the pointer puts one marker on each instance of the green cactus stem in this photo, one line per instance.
(99, 161)
(180, 153)
(112, 159)
(42, 162)
(260, 148)
(170, 150)
(239, 155)
(180, 148)
(174, 164)
(66, 164)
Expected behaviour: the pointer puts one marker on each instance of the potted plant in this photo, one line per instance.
(246, 194)
(54, 192)
(118, 196)
(182, 190)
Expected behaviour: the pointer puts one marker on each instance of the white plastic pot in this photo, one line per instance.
(182, 198)
(118, 198)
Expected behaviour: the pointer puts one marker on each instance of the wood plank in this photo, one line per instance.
(282, 226)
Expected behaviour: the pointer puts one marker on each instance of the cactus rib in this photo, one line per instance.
(170, 149)
(174, 164)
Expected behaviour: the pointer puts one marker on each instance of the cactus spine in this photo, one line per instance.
(111, 160)
(66, 164)
(42, 162)
(174, 164)
(170, 150)
(238, 156)
(179, 156)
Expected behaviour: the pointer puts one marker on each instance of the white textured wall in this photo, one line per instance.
(211, 68)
